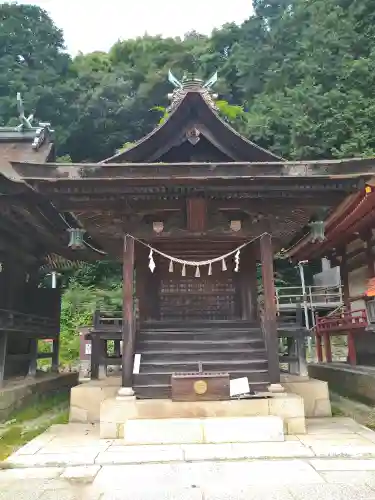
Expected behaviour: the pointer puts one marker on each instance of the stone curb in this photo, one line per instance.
(6, 465)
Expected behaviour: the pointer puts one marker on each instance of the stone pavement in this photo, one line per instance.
(335, 461)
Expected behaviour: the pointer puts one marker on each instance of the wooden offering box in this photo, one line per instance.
(204, 386)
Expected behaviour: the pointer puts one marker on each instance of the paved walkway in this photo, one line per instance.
(334, 461)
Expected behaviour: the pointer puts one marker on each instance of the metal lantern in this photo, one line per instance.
(76, 238)
(317, 231)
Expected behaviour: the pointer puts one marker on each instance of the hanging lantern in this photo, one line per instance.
(76, 238)
(158, 227)
(317, 231)
(235, 225)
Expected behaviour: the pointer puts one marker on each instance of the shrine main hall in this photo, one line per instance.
(196, 213)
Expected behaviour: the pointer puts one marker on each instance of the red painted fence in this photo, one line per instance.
(342, 323)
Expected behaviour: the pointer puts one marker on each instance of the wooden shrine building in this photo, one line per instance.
(32, 236)
(190, 210)
(349, 243)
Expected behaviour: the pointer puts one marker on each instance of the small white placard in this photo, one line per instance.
(239, 386)
(88, 348)
(137, 364)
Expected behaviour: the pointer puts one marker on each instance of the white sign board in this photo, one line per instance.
(137, 364)
(239, 386)
(88, 349)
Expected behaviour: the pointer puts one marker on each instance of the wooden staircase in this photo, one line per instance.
(166, 347)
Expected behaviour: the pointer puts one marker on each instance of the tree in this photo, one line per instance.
(32, 60)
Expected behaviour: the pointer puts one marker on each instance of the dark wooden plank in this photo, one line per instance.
(55, 354)
(196, 211)
(33, 357)
(3, 355)
(269, 312)
(248, 271)
(128, 322)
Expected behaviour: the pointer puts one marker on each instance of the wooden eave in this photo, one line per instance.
(193, 111)
(30, 226)
(329, 170)
(353, 217)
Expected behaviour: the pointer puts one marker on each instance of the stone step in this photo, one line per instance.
(213, 354)
(220, 365)
(207, 430)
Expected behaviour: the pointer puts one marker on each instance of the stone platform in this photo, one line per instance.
(81, 445)
(86, 398)
(335, 460)
(164, 421)
(18, 392)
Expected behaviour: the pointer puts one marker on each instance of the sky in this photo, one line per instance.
(90, 25)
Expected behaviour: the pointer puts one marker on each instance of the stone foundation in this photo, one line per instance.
(20, 392)
(315, 394)
(355, 382)
(117, 415)
(86, 398)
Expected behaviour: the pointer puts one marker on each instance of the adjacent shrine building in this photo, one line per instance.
(190, 210)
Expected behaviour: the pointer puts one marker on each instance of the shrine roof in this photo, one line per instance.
(352, 217)
(146, 173)
(25, 142)
(193, 115)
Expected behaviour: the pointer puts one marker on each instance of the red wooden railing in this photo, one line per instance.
(342, 323)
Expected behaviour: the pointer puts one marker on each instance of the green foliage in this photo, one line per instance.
(297, 77)
(78, 306)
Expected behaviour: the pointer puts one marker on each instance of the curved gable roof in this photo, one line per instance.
(193, 111)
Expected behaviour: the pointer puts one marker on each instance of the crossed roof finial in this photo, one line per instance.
(24, 122)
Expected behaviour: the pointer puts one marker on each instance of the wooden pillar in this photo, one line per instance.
(300, 343)
(327, 347)
(33, 349)
(55, 354)
(269, 313)
(128, 323)
(143, 283)
(3, 355)
(95, 347)
(352, 352)
(319, 347)
(249, 284)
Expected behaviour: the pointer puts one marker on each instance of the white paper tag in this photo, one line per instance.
(137, 364)
(88, 348)
(239, 386)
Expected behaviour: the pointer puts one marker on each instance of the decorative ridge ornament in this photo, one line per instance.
(76, 238)
(191, 84)
(317, 231)
(37, 134)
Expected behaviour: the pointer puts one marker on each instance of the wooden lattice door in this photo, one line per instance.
(190, 298)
